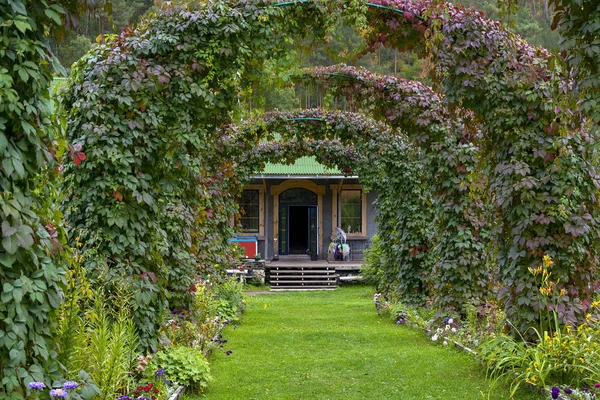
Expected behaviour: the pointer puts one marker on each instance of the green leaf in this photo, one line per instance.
(53, 15)
(18, 7)
(7, 165)
(18, 294)
(23, 26)
(8, 230)
(147, 199)
(7, 260)
(3, 142)
(10, 244)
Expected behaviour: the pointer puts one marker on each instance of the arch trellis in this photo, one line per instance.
(147, 108)
(385, 160)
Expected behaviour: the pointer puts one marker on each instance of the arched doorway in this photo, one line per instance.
(298, 222)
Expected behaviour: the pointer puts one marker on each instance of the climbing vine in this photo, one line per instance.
(449, 144)
(152, 200)
(540, 156)
(155, 195)
(384, 160)
(33, 255)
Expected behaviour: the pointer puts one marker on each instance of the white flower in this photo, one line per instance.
(453, 330)
(447, 327)
(434, 337)
(440, 331)
(450, 321)
(445, 343)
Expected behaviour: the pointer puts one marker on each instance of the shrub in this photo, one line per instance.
(186, 366)
(200, 325)
(372, 270)
(95, 336)
(567, 356)
(230, 299)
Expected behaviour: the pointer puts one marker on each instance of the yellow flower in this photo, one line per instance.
(536, 364)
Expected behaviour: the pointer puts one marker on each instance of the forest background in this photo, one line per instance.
(529, 18)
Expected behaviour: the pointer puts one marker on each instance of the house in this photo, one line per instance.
(294, 210)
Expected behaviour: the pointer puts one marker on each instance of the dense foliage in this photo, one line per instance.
(150, 131)
(449, 150)
(541, 156)
(32, 260)
(153, 200)
(579, 25)
(152, 177)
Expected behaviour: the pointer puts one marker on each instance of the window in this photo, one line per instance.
(250, 211)
(351, 217)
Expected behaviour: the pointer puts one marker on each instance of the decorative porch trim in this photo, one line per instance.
(298, 183)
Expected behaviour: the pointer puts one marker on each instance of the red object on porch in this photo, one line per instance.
(248, 243)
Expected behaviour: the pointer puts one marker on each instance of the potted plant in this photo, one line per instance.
(257, 257)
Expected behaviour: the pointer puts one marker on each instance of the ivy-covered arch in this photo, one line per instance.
(147, 108)
(539, 149)
(385, 160)
(449, 140)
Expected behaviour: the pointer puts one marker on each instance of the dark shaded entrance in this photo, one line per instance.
(298, 223)
(299, 232)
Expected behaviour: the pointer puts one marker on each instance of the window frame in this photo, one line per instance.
(363, 208)
(261, 211)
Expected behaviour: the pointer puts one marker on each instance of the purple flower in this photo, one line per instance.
(596, 385)
(176, 311)
(70, 385)
(36, 385)
(555, 392)
(58, 393)
(568, 390)
(160, 372)
(124, 397)
(585, 389)
(228, 352)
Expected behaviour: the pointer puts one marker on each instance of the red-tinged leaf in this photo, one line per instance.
(118, 195)
(78, 158)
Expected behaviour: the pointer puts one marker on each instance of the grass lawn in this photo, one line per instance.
(333, 345)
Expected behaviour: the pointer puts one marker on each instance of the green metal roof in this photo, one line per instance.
(302, 166)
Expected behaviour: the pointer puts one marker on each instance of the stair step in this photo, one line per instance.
(301, 269)
(300, 273)
(302, 284)
(300, 276)
(301, 288)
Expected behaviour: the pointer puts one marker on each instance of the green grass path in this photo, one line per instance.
(333, 345)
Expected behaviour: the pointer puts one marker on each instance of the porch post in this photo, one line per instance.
(276, 225)
(320, 235)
